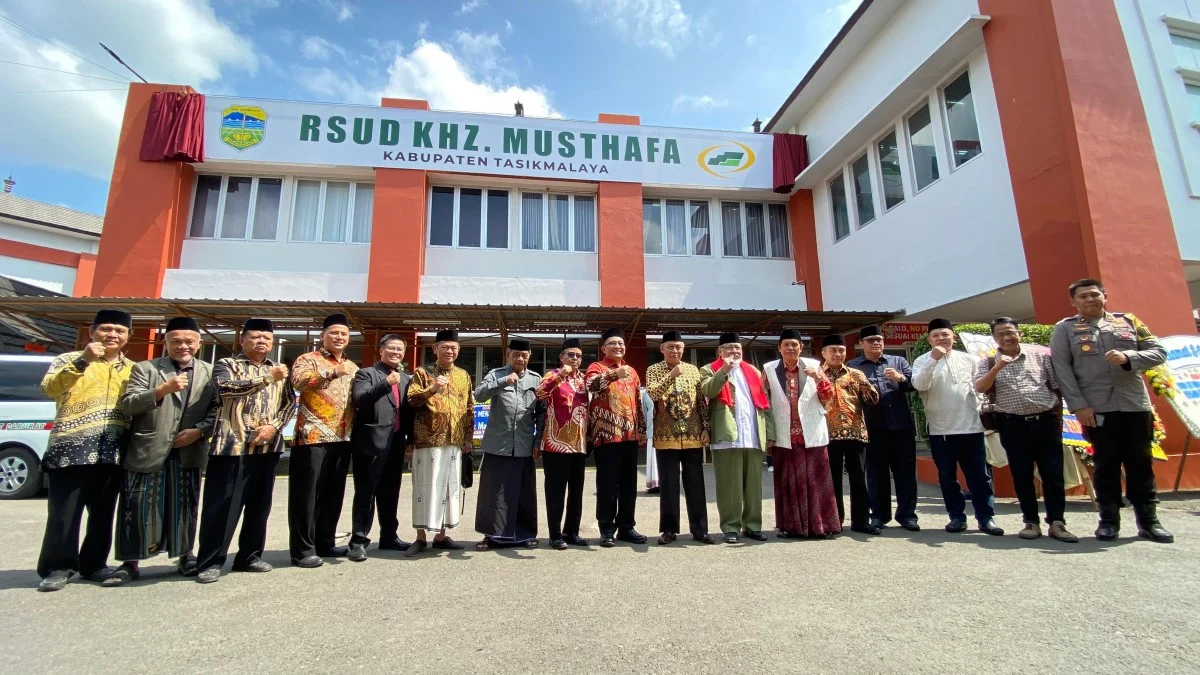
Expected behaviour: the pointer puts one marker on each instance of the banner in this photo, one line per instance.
(293, 132)
(903, 333)
(1183, 362)
(482, 412)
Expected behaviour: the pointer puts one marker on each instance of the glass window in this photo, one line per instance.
(204, 208)
(731, 228)
(920, 144)
(756, 231)
(22, 380)
(494, 357)
(676, 227)
(364, 212)
(470, 217)
(889, 168)
(960, 115)
(441, 217)
(497, 218)
(652, 226)
(337, 206)
(237, 207)
(559, 234)
(307, 213)
(266, 208)
(698, 214)
(1193, 93)
(841, 212)
(781, 235)
(1187, 51)
(585, 223)
(531, 221)
(861, 171)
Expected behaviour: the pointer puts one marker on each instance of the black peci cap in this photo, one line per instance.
(447, 335)
(833, 341)
(183, 323)
(264, 325)
(113, 316)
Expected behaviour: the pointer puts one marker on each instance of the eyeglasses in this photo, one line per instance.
(615, 343)
(873, 340)
(1008, 333)
(574, 355)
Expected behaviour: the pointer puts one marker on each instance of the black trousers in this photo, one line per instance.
(236, 487)
(849, 454)
(73, 489)
(563, 485)
(1124, 441)
(670, 462)
(892, 455)
(376, 485)
(616, 485)
(316, 489)
(1035, 440)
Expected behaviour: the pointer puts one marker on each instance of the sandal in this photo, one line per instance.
(532, 543)
(483, 545)
(122, 575)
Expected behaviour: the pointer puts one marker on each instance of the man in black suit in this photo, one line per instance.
(383, 425)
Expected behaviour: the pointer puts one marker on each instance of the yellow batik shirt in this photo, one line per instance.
(447, 417)
(680, 408)
(88, 427)
(326, 413)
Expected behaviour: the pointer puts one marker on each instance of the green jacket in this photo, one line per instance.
(722, 426)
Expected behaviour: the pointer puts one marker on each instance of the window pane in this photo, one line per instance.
(677, 229)
(860, 170)
(960, 112)
(1194, 97)
(204, 209)
(698, 214)
(560, 223)
(333, 220)
(307, 215)
(731, 227)
(470, 216)
(1187, 51)
(756, 231)
(531, 221)
(266, 208)
(781, 236)
(364, 211)
(237, 207)
(920, 143)
(652, 226)
(441, 217)
(497, 219)
(585, 224)
(889, 166)
(841, 213)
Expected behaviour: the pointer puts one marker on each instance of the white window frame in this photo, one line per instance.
(878, 161)
(947, 135)
(843, 172)
(744, 229)
(929, 103)
(858, 223)
(220, 223)
(691, 252)
(483, 217)
(546, 194)
(349, 238)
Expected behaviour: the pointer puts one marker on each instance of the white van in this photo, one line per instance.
(26, 415)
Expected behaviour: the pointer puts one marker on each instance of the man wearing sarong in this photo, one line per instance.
(800, 395)
(82, 458)
(563, 446)
(680, 432)
(506, 513)
(741, 429)
(321, 456)
(443, 426)
(173, 405)
(852, 394)
(257, 402)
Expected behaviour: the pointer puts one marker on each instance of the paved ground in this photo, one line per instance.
(929, 602)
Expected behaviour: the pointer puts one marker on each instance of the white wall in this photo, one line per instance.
(527, 291)
(513, 264)
(1176, 142)
(253, 284)
(43, 275)
(722, 283)
(274, 256)
(44, 237)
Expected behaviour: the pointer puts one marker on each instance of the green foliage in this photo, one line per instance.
(1031, 333)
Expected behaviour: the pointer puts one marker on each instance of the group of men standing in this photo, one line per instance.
(130, 440)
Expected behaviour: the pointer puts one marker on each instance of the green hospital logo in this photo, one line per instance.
(243, 126)
(726, 158)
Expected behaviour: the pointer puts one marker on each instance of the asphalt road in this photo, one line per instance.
(926, 602)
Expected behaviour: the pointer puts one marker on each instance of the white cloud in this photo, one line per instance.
(315, 48)
(751, 39)
(661, 24)
(469, 6)
(342, 10)
(173, 41)
(705, 102)
(841, 11)
(421, 28)
(508, 27)
(483, 50)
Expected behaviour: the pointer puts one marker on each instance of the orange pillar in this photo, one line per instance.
(804, 244)
(397, 258)
(620, 257)
(1089, 197)
(147, 209)
(85, 274)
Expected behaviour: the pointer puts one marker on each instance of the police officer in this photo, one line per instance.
(1098, 359)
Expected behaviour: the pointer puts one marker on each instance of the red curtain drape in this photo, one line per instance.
(791, 157)
(174, 128)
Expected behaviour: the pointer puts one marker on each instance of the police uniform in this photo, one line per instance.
(1118, 396)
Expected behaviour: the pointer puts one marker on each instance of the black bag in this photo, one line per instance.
(468, 471)
(987, 412)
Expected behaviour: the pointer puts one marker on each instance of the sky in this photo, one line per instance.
(714, 64)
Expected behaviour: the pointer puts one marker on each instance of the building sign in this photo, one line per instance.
(1183, 360)
(903, 333)
(482, 411)
(293, 132)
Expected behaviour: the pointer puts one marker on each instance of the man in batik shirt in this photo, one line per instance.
(852, 392)
(616, 427)
(564, 445)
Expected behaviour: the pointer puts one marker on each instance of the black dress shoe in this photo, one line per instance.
(989, 526)
(308, 562)
(100, 576)
(666, 538)
(910, 525)
(416, 547)
(755, 535)
(396, 544)
(607, 541)
(575, 540)
(447, 544)
(867, 529)
(257, 565)
(631, 536)
(188, 566)
(955, 526)
(731, 538)
(335, 552)
(55, 581)
(653, 490)
(705, 538)
(558, 545)
(358, 553)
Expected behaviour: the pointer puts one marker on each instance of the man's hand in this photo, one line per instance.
(704, 437)
(813, 372)
(730, 362)
(1086, 416)
(342, 368)
(641, 438)
(512, 378)
(278, 372)
(893, 374)
(174, 384)
(676, 371)
(939, 353)
(537, 453)
(187, 437)
(770, 445)
(1001, 361)
(468, 448)
(93, 351)
(565, 371)
(439, 383)
(624, 372)
(263, 435)
(1117, 358)
(393, 377)
(408, 450)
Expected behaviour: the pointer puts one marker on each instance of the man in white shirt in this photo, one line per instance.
(945, 380)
